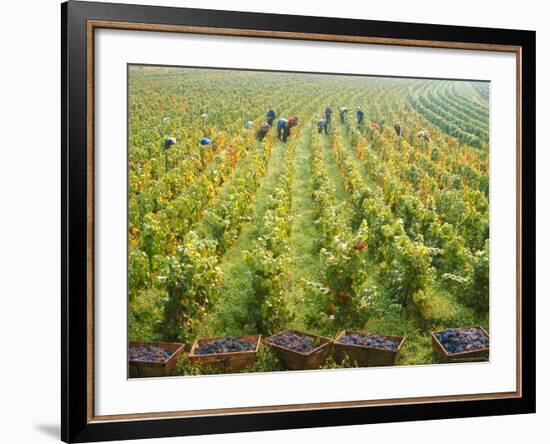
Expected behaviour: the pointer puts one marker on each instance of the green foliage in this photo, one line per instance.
(407, 270)
(138, 271)
(346, 363)
(343, 268)
(223, 222)
(266, 361)
(191, 280)
(184, 367)
(452, 254)
(397, 238)
(478, 285)
(267, 308)
(472, 287)
(269, 259)
(146, 315)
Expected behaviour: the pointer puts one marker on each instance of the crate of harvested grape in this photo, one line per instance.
(150, 359)
(300, 351)
(228, 354)
(367, 349)
(465, 344)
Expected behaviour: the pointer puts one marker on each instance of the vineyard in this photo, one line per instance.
(358, 229)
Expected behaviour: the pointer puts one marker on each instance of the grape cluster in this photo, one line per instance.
(148, 354)
(368, 340)
(300, 344)
(456, 340)
(228, 344)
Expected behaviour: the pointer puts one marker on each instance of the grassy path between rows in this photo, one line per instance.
(228, 315)
(304, 236)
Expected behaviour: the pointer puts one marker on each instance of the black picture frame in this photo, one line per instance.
(77, 327)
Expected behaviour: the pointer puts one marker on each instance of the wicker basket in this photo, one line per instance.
(226, 362)
(465, 356)
(149, 369)
(293, 360)
(364, 355)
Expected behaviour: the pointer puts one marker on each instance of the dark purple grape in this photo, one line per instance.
(148, 354)
(229, 344)
(368, 340)
(298, 343)
(457, 340)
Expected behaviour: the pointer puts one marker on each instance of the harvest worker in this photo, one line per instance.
(205, 144)
(398, 129)
(423, 136)
(262, 131)
(284, 126)
(248, 124)
(374, 126)
(270, 116)
(360, 116)
(322, 125)
(169, 141)
(342, 111)
(205, 141)
(328, 114)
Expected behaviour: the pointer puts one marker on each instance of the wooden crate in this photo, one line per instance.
(366, 356)
(465, 356)
(226, 362)
(294, 360)
(145, 369)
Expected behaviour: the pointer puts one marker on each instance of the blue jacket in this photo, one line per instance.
(281, 123)
(271, 114)
(205, 141)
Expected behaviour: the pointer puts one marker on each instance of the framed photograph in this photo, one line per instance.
(275, 221)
